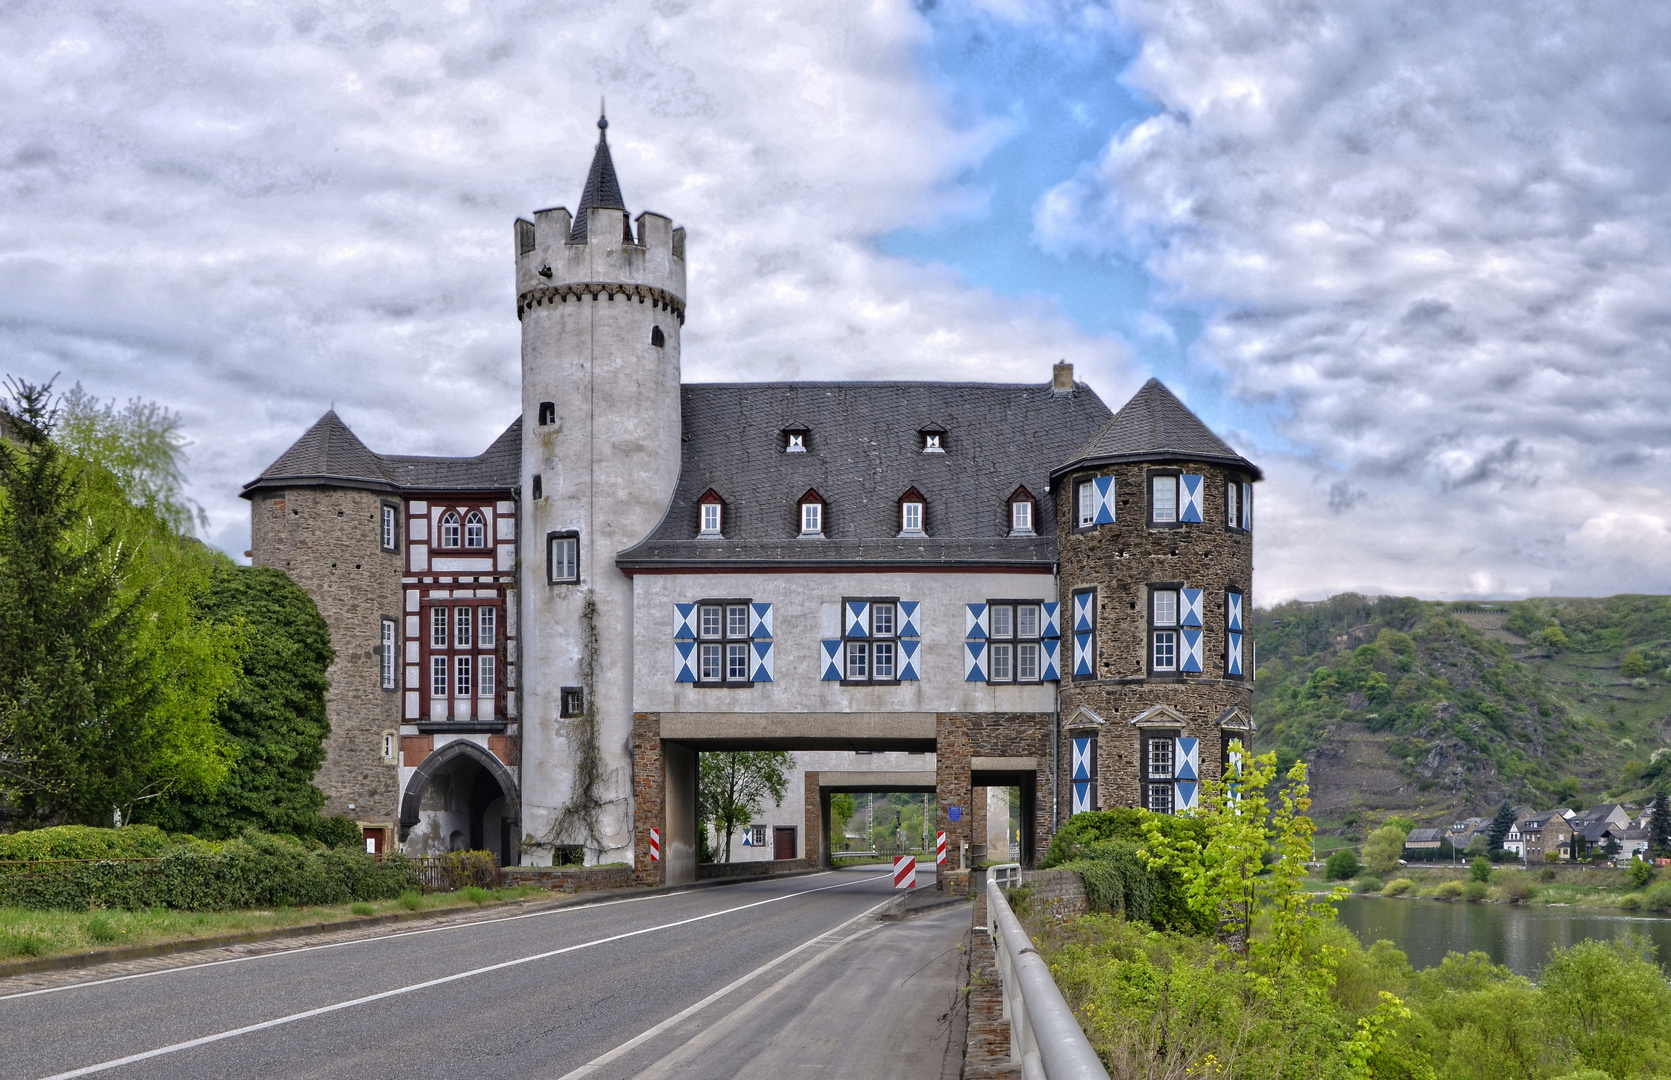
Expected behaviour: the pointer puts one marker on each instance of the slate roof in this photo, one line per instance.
(330, 455)
(1155, 426)
(864, 453)
(1424, 836)
(602, 189)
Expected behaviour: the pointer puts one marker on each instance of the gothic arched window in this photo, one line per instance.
(657, 338)
(475, 530)
(449, 529)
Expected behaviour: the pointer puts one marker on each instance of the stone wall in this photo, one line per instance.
(568, 878)
(1059, 894)
(648, 797)
(961, 737)
(327, 540)
(1121, 561)
(756, 868)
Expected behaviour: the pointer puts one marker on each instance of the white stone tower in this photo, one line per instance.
(602, 300)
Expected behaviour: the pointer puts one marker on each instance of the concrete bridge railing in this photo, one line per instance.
(1045, 1038)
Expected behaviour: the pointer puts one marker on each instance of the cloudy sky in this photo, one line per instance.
(1411, 256)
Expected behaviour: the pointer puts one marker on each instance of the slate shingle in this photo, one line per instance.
(1155, 426)
(329, 453)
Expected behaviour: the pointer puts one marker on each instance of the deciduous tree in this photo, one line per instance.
(734, 786)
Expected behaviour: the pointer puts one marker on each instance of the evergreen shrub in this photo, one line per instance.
(1398, 887)
(1448, 890)
(1474, 891)
(87, 842)
(1658, 898)
(1640, 874)
(1342, 865)
(255, 870)
(1369, 883)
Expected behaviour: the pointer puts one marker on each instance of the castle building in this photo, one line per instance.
(940, 587)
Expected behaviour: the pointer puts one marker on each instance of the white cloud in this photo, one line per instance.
(251, 212)
(1432, 236)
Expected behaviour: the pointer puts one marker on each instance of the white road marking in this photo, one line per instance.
(280, 1021)
(643, 1037)
(373, 939)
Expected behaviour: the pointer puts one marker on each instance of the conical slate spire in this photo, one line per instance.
(1155, 426)
(602, 189)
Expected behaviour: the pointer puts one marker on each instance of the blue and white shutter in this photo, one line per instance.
(762, 667)
(1084, 612)
(830, 661)
(974, 661)
(1233, 611)
(1050, 651)
(1084, 773)
(1233, 654)
(1189, 613)
(910, 653)
(1190, 488)
(760, 642)
(1103, 486)
(910, 619)
(1247, 507)
(1052, 621)
(975, 622)
(1188, 757)
(1084, 633)
(759, 621)
(855, 619)
(976, 627)
(1190, 660)
(684, 643)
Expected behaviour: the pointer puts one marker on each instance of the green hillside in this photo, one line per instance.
(1432, 709)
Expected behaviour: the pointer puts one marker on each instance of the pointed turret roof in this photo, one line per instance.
(602, 189)
(1155, 426)
(330, 455)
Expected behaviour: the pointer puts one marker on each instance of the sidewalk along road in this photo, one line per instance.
(608, 990)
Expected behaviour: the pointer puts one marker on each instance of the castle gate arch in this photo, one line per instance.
(462, 796)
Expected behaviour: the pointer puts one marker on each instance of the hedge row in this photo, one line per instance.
(88, 842)
(255, 871)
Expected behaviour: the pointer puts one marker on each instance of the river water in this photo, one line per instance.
(1520, 937)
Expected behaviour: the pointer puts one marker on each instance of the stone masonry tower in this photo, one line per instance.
(1156, 527)
(601, 299)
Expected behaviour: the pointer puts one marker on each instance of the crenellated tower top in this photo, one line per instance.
(597, 251)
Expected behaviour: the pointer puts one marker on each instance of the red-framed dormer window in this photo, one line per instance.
(811, 514)
(1023, 511)
(710, 515)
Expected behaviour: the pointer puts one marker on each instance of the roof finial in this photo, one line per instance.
(603, 117)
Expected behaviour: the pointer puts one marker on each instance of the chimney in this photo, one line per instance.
(1062, 377)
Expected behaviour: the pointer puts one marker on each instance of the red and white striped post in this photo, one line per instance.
(655, 845)
(905, 871)
(939, 849)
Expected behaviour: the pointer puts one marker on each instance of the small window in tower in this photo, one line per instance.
(657, 338)
(562, 554)
(389, 533)
(475, 530)
(571, 702)
(539, 487)
(548, 413)
(1163, 499)
(449, 530)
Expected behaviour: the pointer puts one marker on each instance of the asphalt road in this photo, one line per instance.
(793, 977)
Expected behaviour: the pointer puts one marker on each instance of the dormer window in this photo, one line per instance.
(1021, 513)
(912, 513)
(812, 514)
(796, 440)
(933, 440)
(710, 512)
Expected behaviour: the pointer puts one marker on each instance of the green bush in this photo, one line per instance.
(1516, 887)
(1398, 887)
(1342, 865)
(1630, 902)
(1370, 883)
(1474, 891)
(1448, 890)
(363, 909)
(1081, 831)
(254, 871)
(1118, 881)
(410, 899)
(99, 928)
(339, 831)
(1640, 874)
(1658, 898)
(87, 842)
(1480, 870)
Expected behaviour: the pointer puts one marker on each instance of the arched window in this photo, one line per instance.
(657, 338)
(475, 530)
(449, 529)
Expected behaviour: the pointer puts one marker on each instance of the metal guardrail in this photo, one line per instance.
(1044, 1035)
(1004, 875)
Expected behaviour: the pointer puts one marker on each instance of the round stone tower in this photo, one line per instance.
(601, 298)
(1156, 541)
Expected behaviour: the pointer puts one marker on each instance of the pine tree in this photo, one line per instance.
(71, 694)
(1500, 826)
(1659, 825)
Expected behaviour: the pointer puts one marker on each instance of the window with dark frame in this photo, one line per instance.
(562, 558)
(1163, 629)
(1085, 503)
(871, 648)
(1159, 770)
(796, 440)
(1021, 513)
(1232, 505)
(389, 530)
(1083, 611)
(571, 702)
(1014, 641)
(1163, 499)
(722, 649)
(438, 676)
(548, 413)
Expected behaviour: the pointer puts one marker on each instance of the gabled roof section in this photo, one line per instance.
(602, 190)
(1155, 426)
(330, 455)
(864, 451)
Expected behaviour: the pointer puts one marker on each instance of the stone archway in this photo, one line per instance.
(459, 787)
